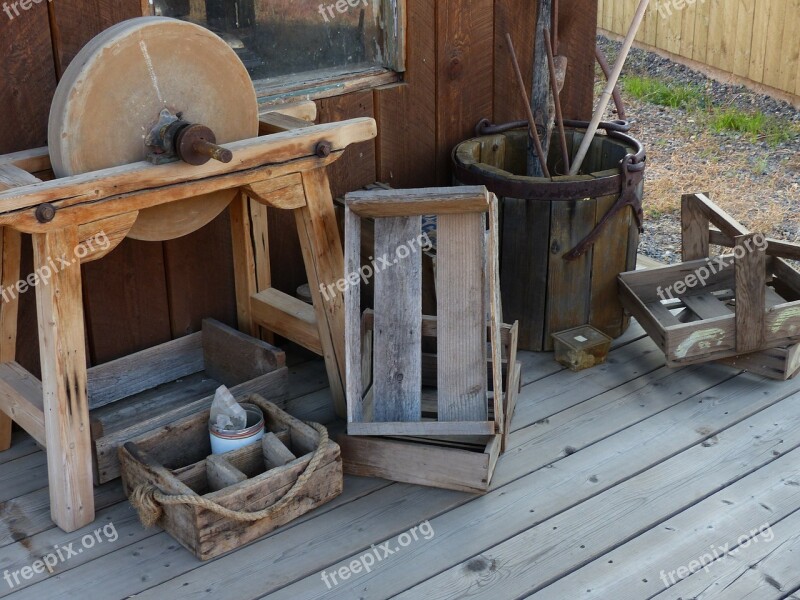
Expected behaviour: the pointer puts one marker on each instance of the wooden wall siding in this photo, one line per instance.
(457, 72)
(464, 67)
(757, 40)
(75, 22)
(27, 79)
(406, 112)
(356, 167)
(125, 301)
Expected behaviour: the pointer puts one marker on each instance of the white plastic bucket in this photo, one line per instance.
(225, 441)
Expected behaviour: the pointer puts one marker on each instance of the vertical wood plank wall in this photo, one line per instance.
(757, 40)
(457, 72)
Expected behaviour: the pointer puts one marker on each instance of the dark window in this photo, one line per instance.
(281, 37)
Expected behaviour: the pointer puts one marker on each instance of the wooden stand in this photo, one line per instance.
(285, 170)
(740, 305)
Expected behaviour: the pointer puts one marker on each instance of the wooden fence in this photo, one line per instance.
(758, 40)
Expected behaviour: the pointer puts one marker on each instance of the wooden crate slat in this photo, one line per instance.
(706, 306)
(750, 295)
(461, 310)
(397, 343)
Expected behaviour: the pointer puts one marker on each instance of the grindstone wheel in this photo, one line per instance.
(112, 96)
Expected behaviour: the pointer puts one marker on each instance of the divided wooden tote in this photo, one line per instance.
(747, 303)
(176, 460)
(467, 297)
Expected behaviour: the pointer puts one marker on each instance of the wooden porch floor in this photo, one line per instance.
(617, 479)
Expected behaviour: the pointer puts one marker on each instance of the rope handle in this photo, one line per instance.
(149, 500)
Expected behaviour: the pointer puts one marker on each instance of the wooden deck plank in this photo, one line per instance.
(29, 514)
(725, 574)
(612, 518)
(607, 426)
(716, 523)
(548, 491)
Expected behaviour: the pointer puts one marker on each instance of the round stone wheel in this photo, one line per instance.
(112, 93)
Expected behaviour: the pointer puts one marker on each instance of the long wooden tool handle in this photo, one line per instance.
(577, 162)
(531, 121)
(551, 63)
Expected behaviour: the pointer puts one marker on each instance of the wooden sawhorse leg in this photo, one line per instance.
(63, 355)
(324, 259)
(319, 328)
(9, 309)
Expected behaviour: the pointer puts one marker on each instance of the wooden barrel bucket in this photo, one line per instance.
(542, 219)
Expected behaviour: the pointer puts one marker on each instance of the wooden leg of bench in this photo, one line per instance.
(244, 267)
(324, 259)
(10, 246)
(63, 357)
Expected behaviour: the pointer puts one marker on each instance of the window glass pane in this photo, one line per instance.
(280, 37)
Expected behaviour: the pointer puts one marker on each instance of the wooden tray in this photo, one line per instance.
(175, 459)
(463, 463)
(749, 303)
(149, 389)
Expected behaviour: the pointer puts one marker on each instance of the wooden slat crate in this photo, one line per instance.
(463, 463)
(177, 460)
(149, 389)
(467, 294)
(744, 304)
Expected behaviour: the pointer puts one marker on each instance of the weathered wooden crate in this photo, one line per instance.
(463, 463)
(467, 296)
(149, 389)
(176, 459)
(747, 303)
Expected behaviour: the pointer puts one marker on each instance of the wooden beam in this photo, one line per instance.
(21, 399)
(287, 316)
(424, 201)
(91, 188)
(66, 403)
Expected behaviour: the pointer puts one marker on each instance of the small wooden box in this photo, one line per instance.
(175, 459)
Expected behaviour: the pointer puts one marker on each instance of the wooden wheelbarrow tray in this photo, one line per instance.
(742, 307)
(176, 460)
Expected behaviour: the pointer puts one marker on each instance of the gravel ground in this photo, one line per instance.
(757, 182)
